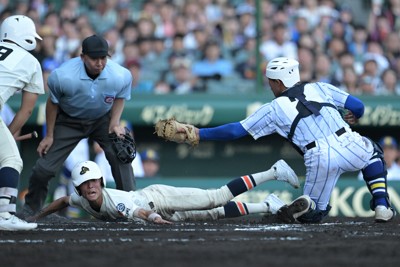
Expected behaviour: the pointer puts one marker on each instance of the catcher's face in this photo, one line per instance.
(276, 87)
(91, 190)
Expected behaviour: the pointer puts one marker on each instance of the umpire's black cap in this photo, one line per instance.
(95, 46)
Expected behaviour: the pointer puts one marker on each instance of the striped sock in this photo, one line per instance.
(378, 188)
(237, 208)
(248, 182)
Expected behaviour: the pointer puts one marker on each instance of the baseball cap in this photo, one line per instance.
(95, 46)
(388, 141)
(150, 154)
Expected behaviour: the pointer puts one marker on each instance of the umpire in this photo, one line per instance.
(86, 99)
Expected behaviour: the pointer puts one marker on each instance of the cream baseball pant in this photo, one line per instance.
(182, 203)
(9, 157)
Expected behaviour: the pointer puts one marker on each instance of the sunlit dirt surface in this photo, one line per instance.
(247, 242)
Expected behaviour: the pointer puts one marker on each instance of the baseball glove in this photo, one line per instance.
(168, 130)
(124, 147)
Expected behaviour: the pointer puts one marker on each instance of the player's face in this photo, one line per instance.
(94, 66)
(91, 190)
(274, 84)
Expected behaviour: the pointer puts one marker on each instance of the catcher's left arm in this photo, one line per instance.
(172, 130)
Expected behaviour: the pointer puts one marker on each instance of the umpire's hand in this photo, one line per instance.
(45, 145)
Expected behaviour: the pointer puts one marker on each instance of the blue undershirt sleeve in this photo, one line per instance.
(225, 132)
(355, 105)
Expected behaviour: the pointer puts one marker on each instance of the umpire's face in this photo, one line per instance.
(94, 66)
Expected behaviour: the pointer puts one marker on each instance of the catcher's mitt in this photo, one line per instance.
(124, 147)
(168, 130)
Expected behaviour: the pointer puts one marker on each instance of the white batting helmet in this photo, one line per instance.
(85, 171)
(284, 69)
(21, 30)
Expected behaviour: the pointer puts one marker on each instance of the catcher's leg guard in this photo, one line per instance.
(375, 178)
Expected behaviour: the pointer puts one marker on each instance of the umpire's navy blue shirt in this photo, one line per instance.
(82, 97)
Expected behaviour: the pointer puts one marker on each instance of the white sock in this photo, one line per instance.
(254, 208)
(264, 176)
(4, 201)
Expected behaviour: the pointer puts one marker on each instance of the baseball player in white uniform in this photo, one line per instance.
(19, 71)
(162, 203)
(308, 116)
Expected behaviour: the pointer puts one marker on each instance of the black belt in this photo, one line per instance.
(338, 133)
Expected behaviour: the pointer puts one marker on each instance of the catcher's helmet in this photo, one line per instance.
(284, 69)
(85, 171)
(21, 30)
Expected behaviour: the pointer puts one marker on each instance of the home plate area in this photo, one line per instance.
(247, 241)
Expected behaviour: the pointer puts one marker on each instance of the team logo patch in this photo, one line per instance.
(84, 170)
(109, 99)
(121, 207)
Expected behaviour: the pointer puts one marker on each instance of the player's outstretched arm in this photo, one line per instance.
(54, 206)
(150, 216)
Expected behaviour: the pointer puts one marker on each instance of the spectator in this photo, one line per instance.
(139, 84)
(391, 47)
(368, 84)
(162, 87)
(279, 45)
(370, 77)
(358, 46)
(389, 84)
(350, 81)
(323, 70)
(212, 64)
(245, 14)
(151, 162)
(182, 81)
(245, 60)
(391, 153)
(306, 55)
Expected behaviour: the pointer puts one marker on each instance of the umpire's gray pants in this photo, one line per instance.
(68, 132)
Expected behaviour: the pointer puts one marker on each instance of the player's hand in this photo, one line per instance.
(45, 145)
(160, 220)
(31, 219)
(350, 118)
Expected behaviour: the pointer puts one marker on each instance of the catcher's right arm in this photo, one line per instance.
(172, 130)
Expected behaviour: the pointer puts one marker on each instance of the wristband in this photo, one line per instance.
(153, 216)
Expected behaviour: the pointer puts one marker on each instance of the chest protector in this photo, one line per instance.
(304, 107)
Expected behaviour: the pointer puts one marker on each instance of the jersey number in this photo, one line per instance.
(4, 52)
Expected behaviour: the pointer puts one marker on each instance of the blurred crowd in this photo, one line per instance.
(177, 46)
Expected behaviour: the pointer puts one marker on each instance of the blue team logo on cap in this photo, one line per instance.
(121, 207)
(109, 99)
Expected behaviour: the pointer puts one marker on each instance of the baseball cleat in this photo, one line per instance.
(383, 214)
(289, 213)
(14, 223)
(283, 172)
(274, 203)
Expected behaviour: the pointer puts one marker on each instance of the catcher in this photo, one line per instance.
(163, 204)
(307, 115)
